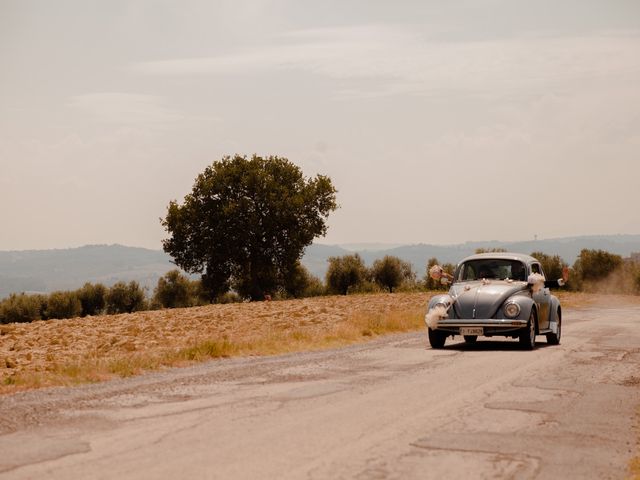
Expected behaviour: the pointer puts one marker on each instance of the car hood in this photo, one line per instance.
(481, 299)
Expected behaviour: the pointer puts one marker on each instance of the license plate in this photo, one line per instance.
(471, 331)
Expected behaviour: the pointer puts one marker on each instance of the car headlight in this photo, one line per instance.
(511, 310)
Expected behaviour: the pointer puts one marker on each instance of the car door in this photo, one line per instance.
(543, 300)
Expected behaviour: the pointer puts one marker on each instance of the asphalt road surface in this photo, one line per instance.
(391, 409)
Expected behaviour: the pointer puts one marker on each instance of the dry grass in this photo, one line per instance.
(634, 463)
(81, 350)
(92, 349)
(634, 468)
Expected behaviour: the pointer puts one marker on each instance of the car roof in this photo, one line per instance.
(501, 256)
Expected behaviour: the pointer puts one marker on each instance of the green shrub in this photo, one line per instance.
(593, 266)
(21, 308)
(173, 290)
(125, 298)
(63, 305)
(365, 286)
(153, 304)
(314, 288)
(300, 283)
(228, 297)
(92, 298)
(198, 293)
(390, 272)
(625, 279)
(345, 273)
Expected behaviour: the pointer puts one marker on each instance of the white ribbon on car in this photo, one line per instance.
(536, 281)
(440, 312)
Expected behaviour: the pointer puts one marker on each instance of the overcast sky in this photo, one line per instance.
(438, 121)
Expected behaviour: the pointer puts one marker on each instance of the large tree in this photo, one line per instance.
(246, 223)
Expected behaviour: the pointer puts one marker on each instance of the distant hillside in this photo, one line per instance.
(49, 270)
(418, 255)
(316, 255)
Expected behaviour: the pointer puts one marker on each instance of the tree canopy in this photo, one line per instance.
(246, 223)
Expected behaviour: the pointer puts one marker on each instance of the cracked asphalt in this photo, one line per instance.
(390, 409)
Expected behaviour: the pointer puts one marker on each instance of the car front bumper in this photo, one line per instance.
(491, 326)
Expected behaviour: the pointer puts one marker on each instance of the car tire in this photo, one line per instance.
(528, 335)
(437, 339)
(554, 338)
(470, 338)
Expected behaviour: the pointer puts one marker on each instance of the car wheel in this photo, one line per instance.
(470, 338)
(554, 338)
(436, 338)
(528, 335)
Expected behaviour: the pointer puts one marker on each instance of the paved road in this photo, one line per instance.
(392, 409)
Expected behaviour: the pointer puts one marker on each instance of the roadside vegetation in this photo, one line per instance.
(594, 271)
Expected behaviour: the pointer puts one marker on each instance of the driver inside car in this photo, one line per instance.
(517, 271)
(486, 272)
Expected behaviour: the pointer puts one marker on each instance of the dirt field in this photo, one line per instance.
(50, 352)
(62, 352)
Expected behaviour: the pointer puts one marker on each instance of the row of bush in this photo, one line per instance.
(593, 271)
(347, 274)
(91, 299)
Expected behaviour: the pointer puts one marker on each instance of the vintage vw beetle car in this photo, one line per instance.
(496, 294)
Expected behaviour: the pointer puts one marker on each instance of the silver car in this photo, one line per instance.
(496, 294)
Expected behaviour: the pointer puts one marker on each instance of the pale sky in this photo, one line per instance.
(438, 121)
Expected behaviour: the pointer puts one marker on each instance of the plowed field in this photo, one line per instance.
(61, 351)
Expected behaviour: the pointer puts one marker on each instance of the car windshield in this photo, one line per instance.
(491, 268)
